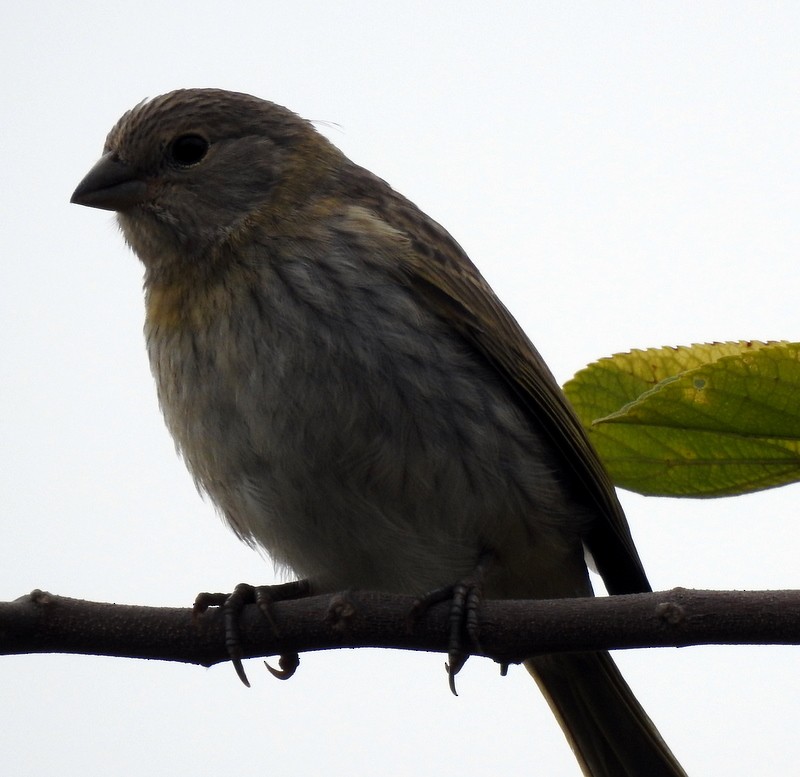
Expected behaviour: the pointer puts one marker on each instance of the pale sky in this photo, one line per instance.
(624, 174)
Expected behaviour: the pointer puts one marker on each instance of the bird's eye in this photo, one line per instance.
(188, 150)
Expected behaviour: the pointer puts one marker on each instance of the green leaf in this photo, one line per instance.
(713, 419)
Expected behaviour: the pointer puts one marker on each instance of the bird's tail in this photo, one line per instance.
(604, 723)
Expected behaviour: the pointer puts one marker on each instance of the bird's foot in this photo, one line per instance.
(264, 597)
(466, 597)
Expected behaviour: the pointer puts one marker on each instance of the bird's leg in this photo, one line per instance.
(264, 596)
(466, 597)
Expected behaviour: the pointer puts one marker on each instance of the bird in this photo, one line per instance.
(352, 395)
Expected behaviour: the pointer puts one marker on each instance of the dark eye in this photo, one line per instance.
(188, 150)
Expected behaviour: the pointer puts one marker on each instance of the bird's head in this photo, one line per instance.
(195, 168)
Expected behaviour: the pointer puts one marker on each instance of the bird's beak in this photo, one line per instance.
(110, 185)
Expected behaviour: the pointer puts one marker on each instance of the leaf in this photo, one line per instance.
(706, 420)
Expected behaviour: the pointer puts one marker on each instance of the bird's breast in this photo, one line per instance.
(349, 431)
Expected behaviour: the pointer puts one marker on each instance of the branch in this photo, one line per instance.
(509, 631)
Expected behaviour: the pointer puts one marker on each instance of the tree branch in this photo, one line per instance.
(510, 630)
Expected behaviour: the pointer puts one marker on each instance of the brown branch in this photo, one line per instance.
(510, 630)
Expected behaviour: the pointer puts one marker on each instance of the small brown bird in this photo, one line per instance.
(352, 395)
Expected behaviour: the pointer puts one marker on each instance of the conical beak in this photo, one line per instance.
(110, 185)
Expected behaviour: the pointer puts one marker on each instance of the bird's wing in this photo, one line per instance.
(442, 274)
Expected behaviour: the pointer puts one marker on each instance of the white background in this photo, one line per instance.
(624, 174)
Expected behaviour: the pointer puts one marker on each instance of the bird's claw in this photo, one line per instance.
(288, 664)
(232, 606)
(465, 598)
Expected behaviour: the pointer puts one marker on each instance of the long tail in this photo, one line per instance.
(604, 723)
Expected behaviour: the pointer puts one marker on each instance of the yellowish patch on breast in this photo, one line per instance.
(186, 306)
(165, 306)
